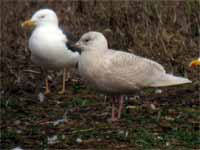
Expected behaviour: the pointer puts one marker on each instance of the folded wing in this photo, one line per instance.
(136, 71)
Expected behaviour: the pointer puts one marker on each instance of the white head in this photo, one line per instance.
(42, 17)
(92, 41)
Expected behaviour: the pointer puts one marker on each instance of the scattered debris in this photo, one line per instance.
(55, 123)
(135, 97)
(52, 140)
(169, 118)
(167, 143)
(63, 137)
(99, 140)
(152, 106)
(17, 148)
(126, 134)
(131, 107)
(17, 122)
(159, 137)
(123, 133)
(18, 131)
(49, 78)
(31, 71)
(158, 91)
(18, 80)
(41, 97)
(74, 80)
(79, 140)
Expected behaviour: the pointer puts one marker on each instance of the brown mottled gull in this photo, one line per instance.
(117, 72)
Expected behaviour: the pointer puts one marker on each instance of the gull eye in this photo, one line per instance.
(41, 17)
(86, 40)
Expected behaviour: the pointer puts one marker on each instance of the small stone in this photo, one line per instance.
(79, 140)
(19, 131)
(167, 143)
(53, 139)
(152, 106)
(17, 122)
(41, 97)
(17, 148)
(121, 132)
(99, 140)
(158, 91)
(159, 137)
(126, 134)
(49, 77)
(57, 122)
(63, 136)
(135, 97)
(169, 118)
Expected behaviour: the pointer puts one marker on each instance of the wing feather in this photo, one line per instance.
(128, 71)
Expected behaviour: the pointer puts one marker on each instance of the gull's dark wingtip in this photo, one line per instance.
(71, 47)
(71, 41)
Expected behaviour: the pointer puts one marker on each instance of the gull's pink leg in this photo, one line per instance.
(121, 103)
(113, 110)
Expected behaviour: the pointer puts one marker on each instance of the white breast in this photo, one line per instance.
(48, 49)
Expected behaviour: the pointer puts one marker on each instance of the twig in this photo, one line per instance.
(31, 71)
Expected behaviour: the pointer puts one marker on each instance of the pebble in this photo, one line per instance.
(41, 97)
(79, 140)
(158, 91)
(52, 140)
(17, 148)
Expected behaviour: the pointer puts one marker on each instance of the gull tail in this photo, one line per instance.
(170, 80)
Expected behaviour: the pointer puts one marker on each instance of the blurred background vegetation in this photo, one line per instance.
(165, 31)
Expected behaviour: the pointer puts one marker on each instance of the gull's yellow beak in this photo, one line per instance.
(28, 24)
(195, 63)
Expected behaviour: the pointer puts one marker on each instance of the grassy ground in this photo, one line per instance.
(167, 32)
(162, 121)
